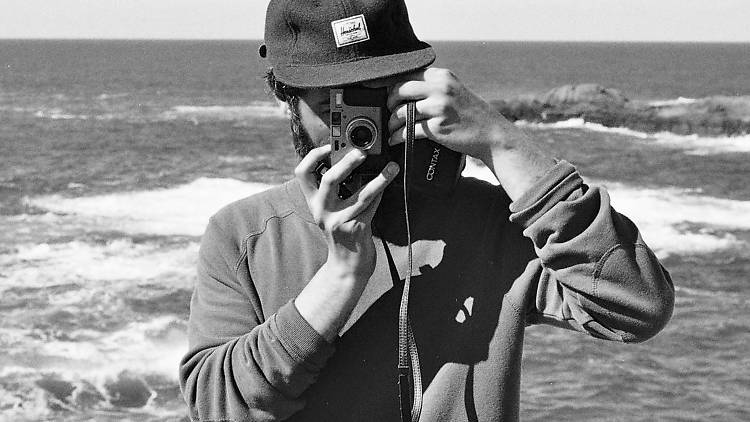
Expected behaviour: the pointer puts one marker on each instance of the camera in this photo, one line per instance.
(359, 120)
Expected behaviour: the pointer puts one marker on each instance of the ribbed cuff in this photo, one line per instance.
(555, 186)
(299, 338)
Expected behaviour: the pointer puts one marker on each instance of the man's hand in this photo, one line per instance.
(329, 298)
(346, 223)
(447, 112)
(452, 115)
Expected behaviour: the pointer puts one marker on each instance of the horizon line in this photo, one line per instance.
(428, 40)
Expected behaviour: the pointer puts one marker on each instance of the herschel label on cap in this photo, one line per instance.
(350, 30)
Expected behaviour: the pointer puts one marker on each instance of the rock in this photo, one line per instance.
(128, 390)
(581, 94)
(57, 387)
(594, 103)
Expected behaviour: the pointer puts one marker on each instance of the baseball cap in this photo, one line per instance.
(326, 43)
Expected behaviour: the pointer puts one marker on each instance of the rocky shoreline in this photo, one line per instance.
(710, 116)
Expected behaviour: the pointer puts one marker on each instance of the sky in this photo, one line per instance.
(530, 20)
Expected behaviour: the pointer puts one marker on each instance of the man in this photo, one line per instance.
(295, 312)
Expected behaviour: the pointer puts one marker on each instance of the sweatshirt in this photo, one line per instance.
(484, 268)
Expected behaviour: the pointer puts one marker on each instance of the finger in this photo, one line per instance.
(305, 170)
(421, 131)
(361, 199)
(338, 172)
(407, 91)
(424, 109)
(368, 213)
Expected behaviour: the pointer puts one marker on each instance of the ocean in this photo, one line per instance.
(113, 154)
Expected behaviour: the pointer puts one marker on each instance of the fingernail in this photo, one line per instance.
(391, 169)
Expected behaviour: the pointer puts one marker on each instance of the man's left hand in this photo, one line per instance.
(453, 116)
(447, 112)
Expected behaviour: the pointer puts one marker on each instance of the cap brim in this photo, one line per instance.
(347, 73)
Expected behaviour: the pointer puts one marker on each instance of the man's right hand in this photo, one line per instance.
(329, 298)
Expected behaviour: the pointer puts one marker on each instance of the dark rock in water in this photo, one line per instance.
(59, 388)
(81, 395)
(87, 396)
(128, 390)
(594, 103)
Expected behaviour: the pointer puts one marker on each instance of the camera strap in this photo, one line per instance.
(408, 356)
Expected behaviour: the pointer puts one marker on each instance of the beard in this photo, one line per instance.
(303, 143)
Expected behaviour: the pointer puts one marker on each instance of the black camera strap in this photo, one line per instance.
(408, 356)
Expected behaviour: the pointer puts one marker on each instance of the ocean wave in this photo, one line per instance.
(94, 324)
(197, 114)
(681, 221)
(699, 145)
(74, 296)
(126, 370)
(580, 123)
(690, 144)
(106, 111)
(721, 294)
(90, 264)
(671, 220)
(672, 102)
(182, 210)
(17, 109)
(59, 114)
(243, 159)
(129, 349)
(111, 96)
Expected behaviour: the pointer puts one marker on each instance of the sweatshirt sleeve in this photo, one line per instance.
(595, 273)
(239, 367)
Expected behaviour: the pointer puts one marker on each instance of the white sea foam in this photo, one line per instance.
(109, 96)
(672, 102)
(246, 159)
(23, 404)
(150, 347)
(81, 262)
(579, 123)
(182, 210)
(141, 349)
(661, 213)
(58, 114)
(664, 215)
(698, 145)
(690, 144)
(263, 109)
(681, 205)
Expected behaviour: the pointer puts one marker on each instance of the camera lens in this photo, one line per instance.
(361, 136)
(361, 133)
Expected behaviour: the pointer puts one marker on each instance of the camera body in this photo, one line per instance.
(359, 120)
